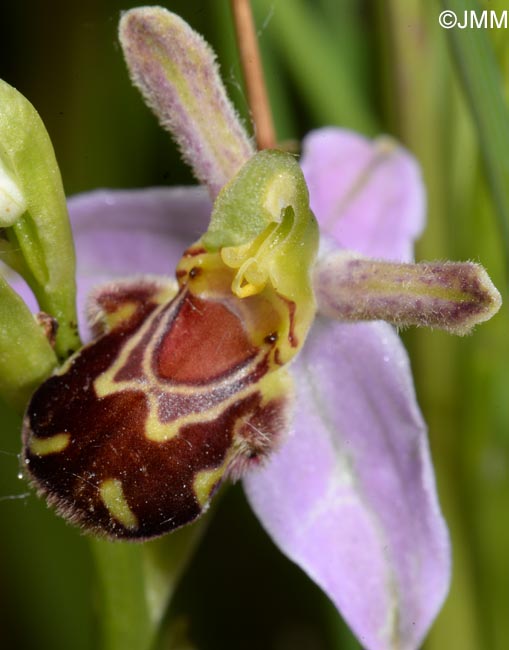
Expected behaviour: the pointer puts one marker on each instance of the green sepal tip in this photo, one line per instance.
(26, 356)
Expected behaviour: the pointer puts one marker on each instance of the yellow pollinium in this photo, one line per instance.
(252, 261)
(125, 311)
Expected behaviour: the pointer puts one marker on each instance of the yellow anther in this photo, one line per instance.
(233, 256)
(250, 279)
(253, 261)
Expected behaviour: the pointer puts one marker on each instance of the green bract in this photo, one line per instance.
(38, 235)
(26, 357)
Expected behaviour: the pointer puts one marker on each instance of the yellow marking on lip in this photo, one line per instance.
(112, 495)
(53, 445)
(204, 483)
(105, 383)
(158, 431)
(122, 313)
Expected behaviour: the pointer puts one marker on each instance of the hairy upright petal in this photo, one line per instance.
(351, 496)
(367, 194)
(176, 72)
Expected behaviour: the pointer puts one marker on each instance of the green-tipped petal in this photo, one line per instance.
(41, 232)
(454, 296)
(26, 357)
(176, 72)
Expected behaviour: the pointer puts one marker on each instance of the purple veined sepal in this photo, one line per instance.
(351, 496)
(368, 195)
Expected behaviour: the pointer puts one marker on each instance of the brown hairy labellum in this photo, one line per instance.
(131, 438)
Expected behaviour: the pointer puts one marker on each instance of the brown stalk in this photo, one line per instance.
(247, 43)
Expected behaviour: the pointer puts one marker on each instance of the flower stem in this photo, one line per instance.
(247, 43)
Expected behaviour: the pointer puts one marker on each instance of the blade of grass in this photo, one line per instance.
(482, 82)
(319, 70)
(423, 109)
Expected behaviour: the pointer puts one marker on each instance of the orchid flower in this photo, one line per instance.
(339, 473)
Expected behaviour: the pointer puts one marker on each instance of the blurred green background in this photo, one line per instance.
(372, 65)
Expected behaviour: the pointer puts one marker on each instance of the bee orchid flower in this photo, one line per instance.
(288, 354)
